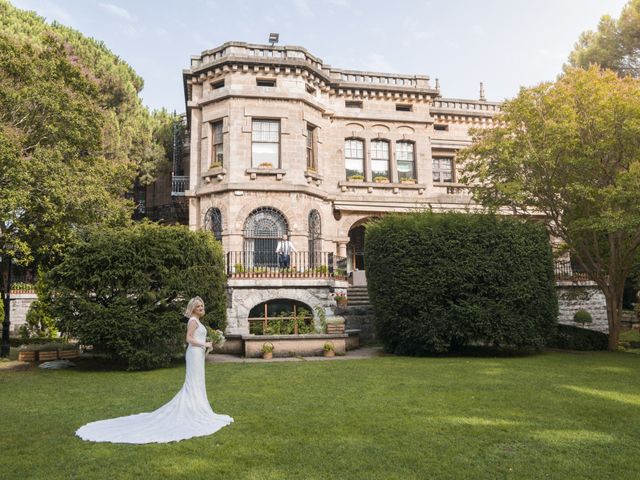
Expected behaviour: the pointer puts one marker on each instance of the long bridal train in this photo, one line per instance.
(187, 415)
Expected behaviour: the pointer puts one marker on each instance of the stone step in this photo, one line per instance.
(358, 302)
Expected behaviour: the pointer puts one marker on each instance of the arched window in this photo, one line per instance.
(354, 157)
(406, 160)
(314, 238)
(213, 222)
(379, 160)
(262, 231)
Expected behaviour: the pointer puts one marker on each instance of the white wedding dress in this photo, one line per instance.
(187, 415)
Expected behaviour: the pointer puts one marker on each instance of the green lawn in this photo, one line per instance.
(554, 415)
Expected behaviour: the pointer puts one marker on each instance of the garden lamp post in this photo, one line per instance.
(5, 347)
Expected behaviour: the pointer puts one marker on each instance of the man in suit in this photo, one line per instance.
(284, 250)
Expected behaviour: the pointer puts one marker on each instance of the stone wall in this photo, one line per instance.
(583, 296)
(360, 318)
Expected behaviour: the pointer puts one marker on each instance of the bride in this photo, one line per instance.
(187, 415)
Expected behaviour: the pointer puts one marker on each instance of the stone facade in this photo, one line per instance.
(582, 296)
(324, 125)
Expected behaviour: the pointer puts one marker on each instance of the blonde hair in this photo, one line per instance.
(192, 305)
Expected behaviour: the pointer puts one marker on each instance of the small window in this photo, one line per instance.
(218, 84)
(443, 169)
(266, 82)
(442, 128)
(353, 104)
(400, 107)
(217, 158)
(311, 154)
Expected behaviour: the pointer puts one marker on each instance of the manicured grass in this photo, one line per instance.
(553, 415)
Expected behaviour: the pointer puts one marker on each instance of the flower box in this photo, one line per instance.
(47, 355)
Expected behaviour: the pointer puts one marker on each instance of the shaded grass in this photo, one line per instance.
(554, 415)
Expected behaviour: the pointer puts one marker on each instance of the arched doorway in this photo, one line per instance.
(262, 231)
(355, 248)
(281, 316)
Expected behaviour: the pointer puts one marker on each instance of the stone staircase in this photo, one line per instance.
(358, 297)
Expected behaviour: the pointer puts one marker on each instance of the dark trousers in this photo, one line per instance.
(284, 260)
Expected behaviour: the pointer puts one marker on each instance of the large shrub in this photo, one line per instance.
(570, 337)
(124, 290)
(440, 281)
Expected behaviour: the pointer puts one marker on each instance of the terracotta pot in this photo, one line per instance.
(329, 353)
(27, 356)
(267, 355)
(342, 303)
(47, 356)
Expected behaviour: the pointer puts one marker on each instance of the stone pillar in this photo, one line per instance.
(194, 168)
(342, 249)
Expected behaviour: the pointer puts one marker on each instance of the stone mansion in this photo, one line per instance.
(281, 143)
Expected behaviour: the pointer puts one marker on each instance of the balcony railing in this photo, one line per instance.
(264, 264)
(565, 273)
(179, 185)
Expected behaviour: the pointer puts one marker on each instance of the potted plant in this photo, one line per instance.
(266, 165)
(329, 349)
(341, 300)
(355, 178)
(381, 179)
(28, 353)
(408, 180)
(267, 350)
(215, 165)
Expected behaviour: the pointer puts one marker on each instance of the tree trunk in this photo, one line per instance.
(614, 314)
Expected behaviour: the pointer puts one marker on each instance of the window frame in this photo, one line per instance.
(399, 160)
(372, 152)
(363, 158)
(217, 142)
(310, 147)
(439, 170)
(277, 121)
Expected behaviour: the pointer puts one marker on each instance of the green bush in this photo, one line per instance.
(442, 281)
(124, 290)
(582, 317)
(570, 337)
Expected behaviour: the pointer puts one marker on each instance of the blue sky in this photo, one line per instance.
(504, 43)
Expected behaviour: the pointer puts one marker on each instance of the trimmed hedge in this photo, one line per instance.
(570, 337)
(124, 290)
(441, 281)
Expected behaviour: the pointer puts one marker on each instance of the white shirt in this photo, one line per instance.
(285, 247)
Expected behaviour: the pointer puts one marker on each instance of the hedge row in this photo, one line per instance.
(439, 281)
(124, 290)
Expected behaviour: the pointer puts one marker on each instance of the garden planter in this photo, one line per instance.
(27, 356)
(47, 356)
(67, 354)
(267, 355)
(342, 303)
(329, 353)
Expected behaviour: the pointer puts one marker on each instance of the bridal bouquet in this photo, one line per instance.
(216, 337)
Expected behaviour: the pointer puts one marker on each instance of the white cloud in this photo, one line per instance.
(117, 11)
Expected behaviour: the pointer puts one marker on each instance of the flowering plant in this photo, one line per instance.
(216, 337)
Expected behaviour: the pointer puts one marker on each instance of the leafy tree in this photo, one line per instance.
(615, 45)
(74, 136)
(570, 151)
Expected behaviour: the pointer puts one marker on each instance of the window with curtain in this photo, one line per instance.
(379, 159)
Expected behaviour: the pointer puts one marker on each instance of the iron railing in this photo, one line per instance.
(564, 272)
(179, 185)
(261, 264)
